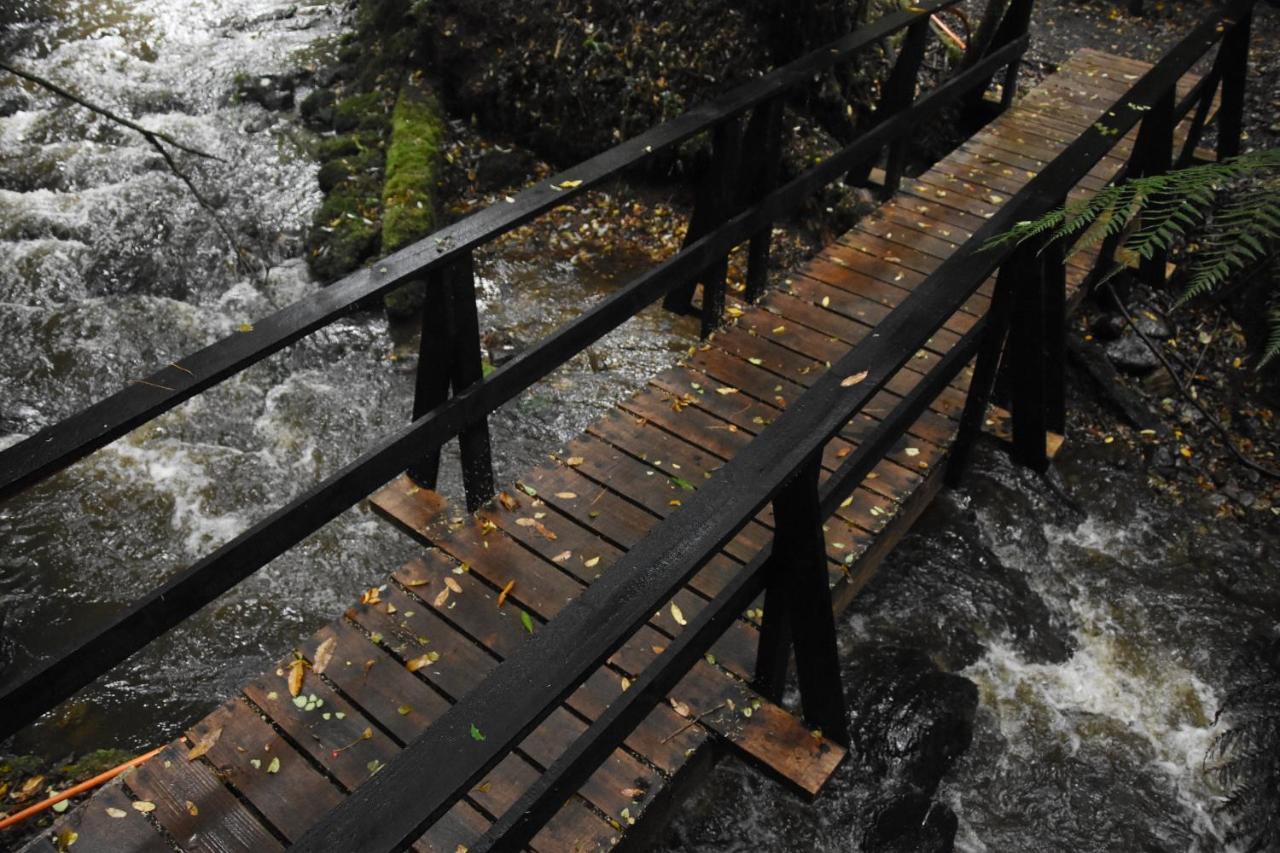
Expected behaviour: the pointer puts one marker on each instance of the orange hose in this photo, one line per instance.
(76, 789)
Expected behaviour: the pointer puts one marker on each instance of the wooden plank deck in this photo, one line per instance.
(267, 765)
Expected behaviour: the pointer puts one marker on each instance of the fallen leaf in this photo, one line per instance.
(440, 599)
(527, 621)
(144, 806)
(912, 451)
(562, 556)
(453, 585)
(324, 653)
(476, 734)
(591, 564)
(370, 596)
(297, 672)
(632, 793)
(569, 185)
(566, 496)
(574, 461)
(422, 660)
(274, 766)
(677, 614)
(726, 390)
(204, 744)
(116, 813)
(508, 502)
(506, 590)
(850, 381)
(65, 839)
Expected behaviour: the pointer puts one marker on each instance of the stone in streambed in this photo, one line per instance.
(910, 823)
(1131, 354)
(909, 720)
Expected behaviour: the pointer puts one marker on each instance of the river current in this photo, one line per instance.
(1097, 697)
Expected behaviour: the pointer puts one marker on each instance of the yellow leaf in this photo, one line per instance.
(193, 809)
(574, 461)
(590, 564)
(370, 596)
(726, 390)
(274, 766)
(204, 744)
(562, 556)
(569, 185)
(506, 590)
(297, 672)
(144, 806)
(441, 598)
(566, 496)
(422, 660)
(677, 614)
(912, 451)
(850, 381)
(324, 654)
(246, 327)
(116, 813)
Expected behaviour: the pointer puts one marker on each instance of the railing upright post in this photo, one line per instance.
(716, 202)
(1154, 146)
(1026, 357)
(985, 370)
(1235, 47)
(764, 135)
(449, 356)
(1013, 25)
(798, 605)
(898, 92)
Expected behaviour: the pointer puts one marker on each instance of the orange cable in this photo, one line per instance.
(76, 789)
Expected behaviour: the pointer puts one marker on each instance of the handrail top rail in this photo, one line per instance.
(61, 444)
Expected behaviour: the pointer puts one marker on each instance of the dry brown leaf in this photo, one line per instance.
(508, 502)
(566, 496)
(297, 673)
(441, 598)
(324, 653)
(204, 744)
(370, 596)
(632, 793)
(562, 556)
(453, 585)
(144, 806)
(421, 660)
(850, 381)
(192, 809)
(506, 590)
(574, 461)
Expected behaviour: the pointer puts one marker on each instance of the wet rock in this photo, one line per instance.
(12, 101)
(499, 168)
(1108, 327)
(500, 346)
(909, 720)
(318, 109)
(257, 124)
(1151, 324)
(1130, 354)
(270, 91)
(910, 823)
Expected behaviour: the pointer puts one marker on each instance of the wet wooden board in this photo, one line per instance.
(264, 766)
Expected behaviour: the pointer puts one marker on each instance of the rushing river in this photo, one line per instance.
(1098, 680)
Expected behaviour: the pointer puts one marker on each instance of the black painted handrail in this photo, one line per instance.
(415, 789)
(57, 446)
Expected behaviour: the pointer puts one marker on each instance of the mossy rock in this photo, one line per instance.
(366, 111)
(408, 194)
(345, 230)
(96, 762)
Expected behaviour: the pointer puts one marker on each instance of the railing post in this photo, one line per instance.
(714, 204)
(449, 356)
(1013, 25)
(1235, 47)
(898, 92)
(1029, 366)
(1154, 147)
(985, 370)
(764, 136)
(798, 607)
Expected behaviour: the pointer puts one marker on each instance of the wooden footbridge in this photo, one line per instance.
(567, 655)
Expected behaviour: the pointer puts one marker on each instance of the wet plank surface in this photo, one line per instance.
(263, 767)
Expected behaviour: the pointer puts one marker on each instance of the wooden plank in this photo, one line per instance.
(195, 808)
(98, 831)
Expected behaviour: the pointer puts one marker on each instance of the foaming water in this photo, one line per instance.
(109, 269)
(1101, 647)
